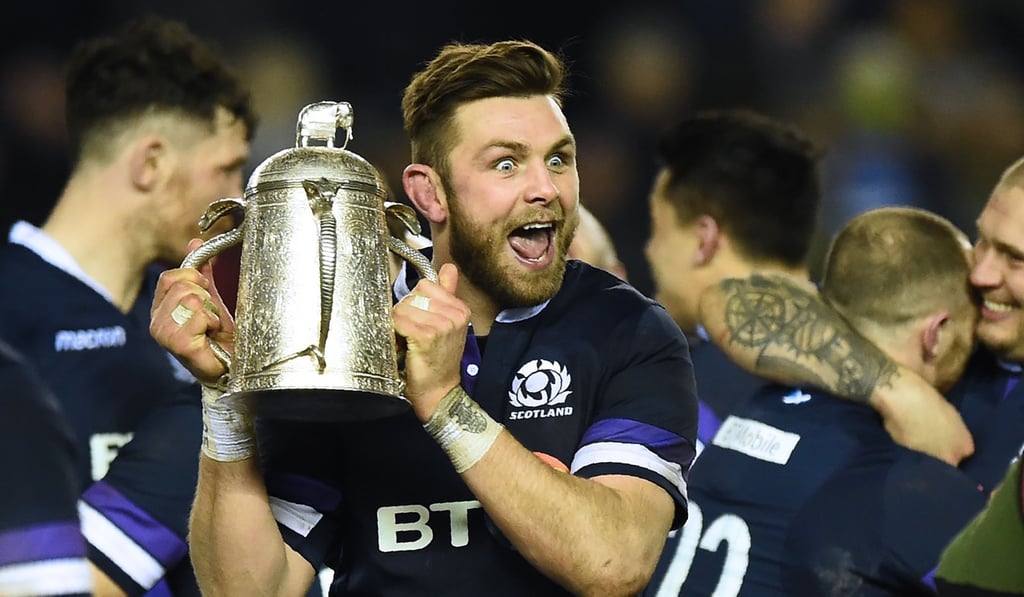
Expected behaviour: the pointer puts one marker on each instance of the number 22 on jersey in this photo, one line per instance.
(684, 543)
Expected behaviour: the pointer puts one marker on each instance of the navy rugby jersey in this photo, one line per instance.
(991, 403)
(722, 386)
(42, 551)
(134, 412)
(598, 378)
(878, 527)
(766, 461)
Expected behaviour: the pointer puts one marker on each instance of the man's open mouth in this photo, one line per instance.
(533, 241)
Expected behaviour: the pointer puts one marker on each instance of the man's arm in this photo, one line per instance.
(236, 547)
(778, 327)
(235, 544)
(596, 536)
(599, 536)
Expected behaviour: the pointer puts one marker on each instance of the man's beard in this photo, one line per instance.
(477, 250)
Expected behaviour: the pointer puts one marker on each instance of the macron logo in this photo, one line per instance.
(75, 340)
(797, 397)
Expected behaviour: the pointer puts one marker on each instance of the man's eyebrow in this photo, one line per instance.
(521, 148)
(1010, 250)
(567, 140)
(1001, 246)
(513, 146)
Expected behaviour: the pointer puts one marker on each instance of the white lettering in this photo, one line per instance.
(103, 449)
(414, 519)
(74, 340)
(459, 514)
(756, 439)
(388, 528)
(542, 413)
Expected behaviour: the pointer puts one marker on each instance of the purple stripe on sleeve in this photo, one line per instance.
(707, 423)
(303, 490)
(162, 543)
(40, 542)
(665, 444)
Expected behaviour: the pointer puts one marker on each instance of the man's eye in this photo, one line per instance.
(556, 161)
(506, 165)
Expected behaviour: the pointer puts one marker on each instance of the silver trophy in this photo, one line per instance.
(313, 332)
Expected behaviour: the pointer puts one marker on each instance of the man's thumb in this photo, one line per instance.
(448, 277)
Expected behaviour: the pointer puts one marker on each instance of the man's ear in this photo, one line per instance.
(146, 158)
(708, 237)
(423, 187)
(931, 336)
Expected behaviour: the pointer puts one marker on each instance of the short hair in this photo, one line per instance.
(1013, 176)
(757, 177)
(891, 265)
(152, 65)
(463, 73)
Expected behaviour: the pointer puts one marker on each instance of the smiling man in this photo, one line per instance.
(988, 398)
(999, 267)
(553, 410)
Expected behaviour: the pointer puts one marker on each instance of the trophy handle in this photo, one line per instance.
(421, 263)
(215, 245)
(401, 219)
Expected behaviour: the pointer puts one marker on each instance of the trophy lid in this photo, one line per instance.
(315, 156)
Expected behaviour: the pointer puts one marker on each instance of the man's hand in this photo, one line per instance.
(431, 322)
(187, 312)
(919, 418)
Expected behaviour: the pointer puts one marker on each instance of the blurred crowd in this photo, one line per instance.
(915, 102)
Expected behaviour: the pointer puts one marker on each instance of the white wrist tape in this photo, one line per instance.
(463, 430)
(228, 434)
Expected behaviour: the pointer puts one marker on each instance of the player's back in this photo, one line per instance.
(722, 386)
(878, 526)
(766, 460)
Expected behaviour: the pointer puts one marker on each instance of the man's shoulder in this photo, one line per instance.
(582, 279)
(592, 294)
(33, 295)
(28, 273)
(16, 259)
(723, 384)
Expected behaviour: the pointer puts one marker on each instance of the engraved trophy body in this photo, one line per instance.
(313, 332)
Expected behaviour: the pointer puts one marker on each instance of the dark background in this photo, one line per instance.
(917, 102)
